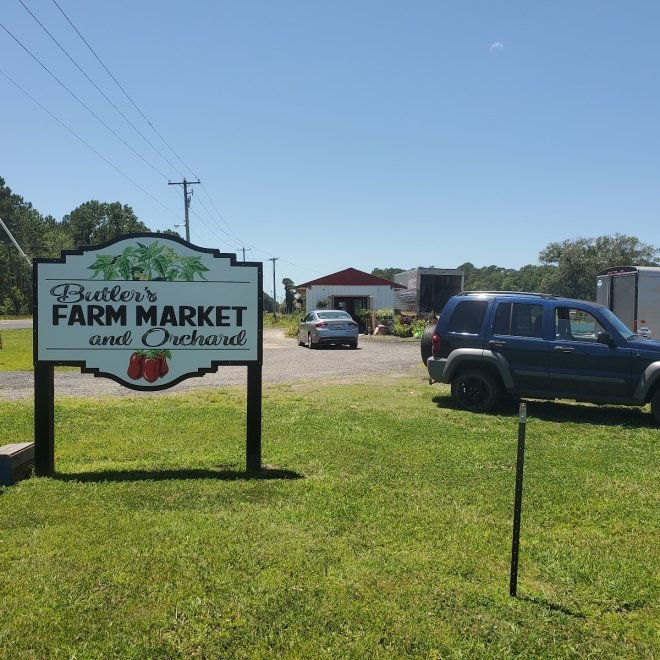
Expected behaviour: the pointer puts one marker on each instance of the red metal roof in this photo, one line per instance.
(350, 277)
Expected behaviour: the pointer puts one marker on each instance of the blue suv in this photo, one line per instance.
(490, 343)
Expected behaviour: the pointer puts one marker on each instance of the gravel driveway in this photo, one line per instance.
(284, 361)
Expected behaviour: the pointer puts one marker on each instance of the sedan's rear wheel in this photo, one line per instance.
(475, 390)
(310, 343)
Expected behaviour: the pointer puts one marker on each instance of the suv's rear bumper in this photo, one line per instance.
(436, 368)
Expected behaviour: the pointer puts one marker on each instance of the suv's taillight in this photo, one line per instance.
(435, 346)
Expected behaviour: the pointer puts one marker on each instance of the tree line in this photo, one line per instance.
(44, 236)
(567, 268)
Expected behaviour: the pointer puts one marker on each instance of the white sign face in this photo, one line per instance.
(148, 310)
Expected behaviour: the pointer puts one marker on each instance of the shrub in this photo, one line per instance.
(401, 330)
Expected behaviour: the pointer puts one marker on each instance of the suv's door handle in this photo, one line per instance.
(564, 349)
(494, 343)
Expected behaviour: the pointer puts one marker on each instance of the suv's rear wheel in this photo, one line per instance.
(475, 390)
(655, 405)
(427, 342)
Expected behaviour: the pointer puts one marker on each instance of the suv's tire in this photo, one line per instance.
(475, 390)
(427, 342)
(655, 405)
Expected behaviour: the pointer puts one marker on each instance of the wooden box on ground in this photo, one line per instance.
(16, 462)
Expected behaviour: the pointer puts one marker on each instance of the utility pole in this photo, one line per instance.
(18, 247)
(244, 250)
(186, 200)
(274, 259)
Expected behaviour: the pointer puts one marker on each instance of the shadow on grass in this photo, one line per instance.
(222, 474)
(553, 607)
(558, 411)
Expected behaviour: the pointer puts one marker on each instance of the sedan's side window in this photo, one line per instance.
(576, 325)
(308, 318)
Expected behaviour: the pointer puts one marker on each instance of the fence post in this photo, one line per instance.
(517, 506)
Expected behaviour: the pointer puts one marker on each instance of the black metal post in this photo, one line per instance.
(253, 435)
(44, 419)
(517, 506)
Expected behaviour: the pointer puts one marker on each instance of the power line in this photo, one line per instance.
(201, 203)
(151, 125)
(98, 89)
(91, 112)
(126, 94)
(146, 119)
(220, 214)
(89, 146)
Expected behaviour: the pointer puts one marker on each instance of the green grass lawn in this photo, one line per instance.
(382, 528)
(16, 351)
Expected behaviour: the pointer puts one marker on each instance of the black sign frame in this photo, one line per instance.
(44, 381)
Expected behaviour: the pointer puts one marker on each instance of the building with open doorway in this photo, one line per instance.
(350, 290)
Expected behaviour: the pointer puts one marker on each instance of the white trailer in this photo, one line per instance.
(633, 294)
(427, 290)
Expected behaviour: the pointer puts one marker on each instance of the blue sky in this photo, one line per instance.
(347, 133)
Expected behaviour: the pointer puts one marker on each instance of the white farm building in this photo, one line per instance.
(350, 290)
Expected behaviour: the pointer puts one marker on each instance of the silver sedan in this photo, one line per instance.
(328, 326)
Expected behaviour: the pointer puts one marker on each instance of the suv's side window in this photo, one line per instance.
(468, 317)
(519, 320)
(576, 325)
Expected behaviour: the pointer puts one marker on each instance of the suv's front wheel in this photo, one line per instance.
(475, 390)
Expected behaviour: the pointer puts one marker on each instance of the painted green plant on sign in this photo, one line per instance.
(154, 262)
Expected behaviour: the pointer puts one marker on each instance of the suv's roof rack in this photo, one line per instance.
(547, 296)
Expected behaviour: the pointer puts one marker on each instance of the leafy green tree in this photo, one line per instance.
(96, 222)
(92, 222)
(15, 302)
(55, 239)
(496, 278)
(579, 261)
(269, 304)
(289, 293)
(26, 226)
(532, 276)
(387, 273)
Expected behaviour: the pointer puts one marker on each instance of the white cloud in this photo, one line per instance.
(495, 47)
